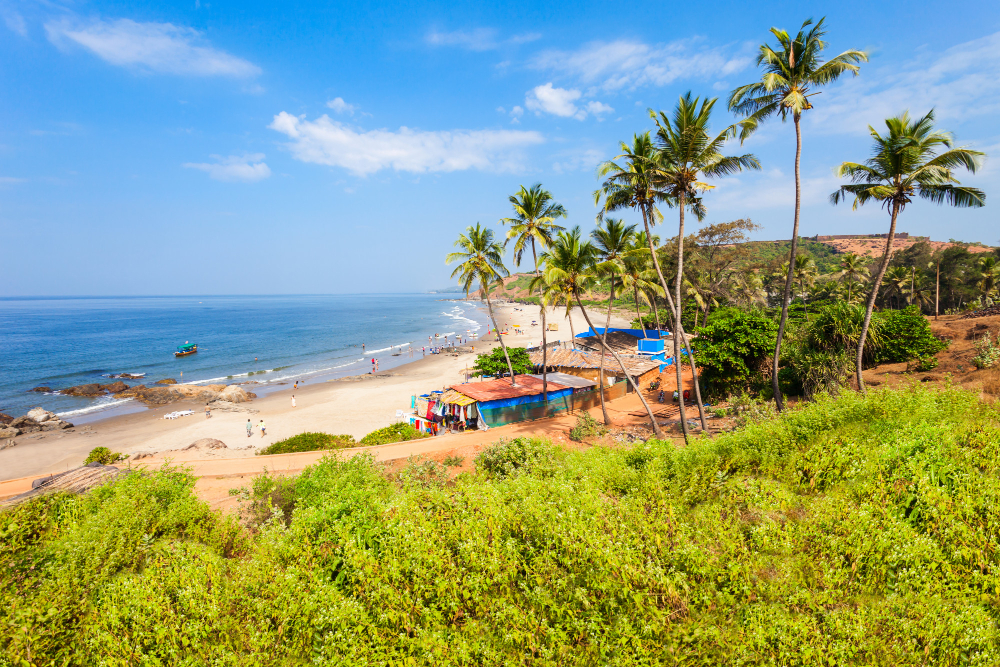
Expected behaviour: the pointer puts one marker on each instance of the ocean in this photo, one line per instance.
(63, 342)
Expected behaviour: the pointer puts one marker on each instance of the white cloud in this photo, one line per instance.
(628, 64)
(556, 101)
(770, 189)
(598, 108)
(327, 141)
(247, 168)
(340, 106)
(16, 23)
(960, 83)
(477, 39)
(561, 102)
(156, 47)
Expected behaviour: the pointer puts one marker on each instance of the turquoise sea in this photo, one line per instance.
(62, 342)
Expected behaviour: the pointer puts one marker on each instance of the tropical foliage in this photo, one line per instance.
(494, 363)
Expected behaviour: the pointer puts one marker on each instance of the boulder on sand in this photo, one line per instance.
(40, 415)
(5, 419)
(9, 432)
(25, 425)
(207, 443)
(233, 394)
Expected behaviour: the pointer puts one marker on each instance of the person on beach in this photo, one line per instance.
(296, 385)
(249, 428)
(263, 428)
(362, 347)
(293, 401)
(373, 365)
(208, 412)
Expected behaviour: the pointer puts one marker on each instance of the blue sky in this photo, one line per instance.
(213, 147)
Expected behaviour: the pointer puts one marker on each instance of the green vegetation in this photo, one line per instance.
(853, 531)
(453, 461)
(494, 364)
(309, 442)
(586, 427)
(734, 350)
(103, 455)
(987, 352)
(398, 432)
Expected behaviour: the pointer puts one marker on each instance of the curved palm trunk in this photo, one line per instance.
(572, 333)
(489, 307)
(656, 315)
(677, 317)
(652, 418)
(545, 351)
(604, 346)
(635, 293)
(873, 296)
(778, 399)
(678, 328)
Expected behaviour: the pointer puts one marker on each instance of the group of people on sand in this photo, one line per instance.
(262, 426)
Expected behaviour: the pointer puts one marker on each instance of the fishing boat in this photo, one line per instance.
(186, 349)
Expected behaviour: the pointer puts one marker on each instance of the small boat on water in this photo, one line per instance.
(186, 349)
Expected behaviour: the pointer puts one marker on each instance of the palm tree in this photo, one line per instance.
(987, 276)
(906, 162)
(805, 274)
(790, 71)
(570, 265)
(687, 153)
(895, 281)
(533, 221)
(853, 270)
(637, 276)
(749, 289)
(613, 240)
(481, 260)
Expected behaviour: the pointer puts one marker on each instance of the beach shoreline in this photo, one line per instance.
(355, 406)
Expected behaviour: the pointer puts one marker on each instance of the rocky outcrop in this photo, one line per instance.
(163, 394)
(37, 419)
(167, 381)
(5, 419)
(6, 433)
(207, 443)
(41, 390)
(94, 389)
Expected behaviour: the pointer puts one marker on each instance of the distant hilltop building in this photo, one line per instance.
(903, 236)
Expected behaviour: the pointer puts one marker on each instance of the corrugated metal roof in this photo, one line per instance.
(498, 388)
(634, 364)
(574, 381)
(619, 341)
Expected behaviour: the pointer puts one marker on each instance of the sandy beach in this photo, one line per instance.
(349, 406)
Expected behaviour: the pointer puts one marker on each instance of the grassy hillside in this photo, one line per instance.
(856, 531)
(765, 252)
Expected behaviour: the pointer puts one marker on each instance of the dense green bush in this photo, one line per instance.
(586, 427)
(309, 442)
(495, 364)
(508, 456)
(734, 351)
(855, 531)
(906, 335)
(397, 432)
(103, 455)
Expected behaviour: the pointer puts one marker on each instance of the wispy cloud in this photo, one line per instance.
(340, 106)
(477, 39)
(247, 168)
(15, 22)
(627, 64)
(961, 83)
(155, 47)
(11, 180)
(330, 142)
(562, 102)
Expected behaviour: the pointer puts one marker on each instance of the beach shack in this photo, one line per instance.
(497, 402)
(581, 363)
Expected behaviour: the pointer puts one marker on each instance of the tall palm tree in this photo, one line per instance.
(533, 222)
(481, 260)
(639, 277)
(749, 289)
(613, 240)
(905, 162)
(790, 71)
(686, 153)
(805, 274)
(896, 281)
(987, 282)
(570, 264)
(852, 270)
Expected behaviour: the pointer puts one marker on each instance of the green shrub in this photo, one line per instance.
(586, 427)
(103, 455)
(495, 364)
(906, 335)
(309, 442)
(734, 350)
(987, 352)
(453, 461)
(267, 497)
(423, 473)
(398, 432)
(923, 364)
(859, 530)
(508, 456)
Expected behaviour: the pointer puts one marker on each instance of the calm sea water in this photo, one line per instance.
(61, 342)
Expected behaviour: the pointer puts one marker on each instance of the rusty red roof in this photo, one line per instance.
(498, 388)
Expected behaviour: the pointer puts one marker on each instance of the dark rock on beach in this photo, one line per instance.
(94, 389)
(41, 390)
(167, 381)
(5, 419)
